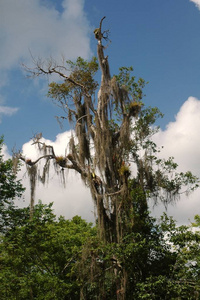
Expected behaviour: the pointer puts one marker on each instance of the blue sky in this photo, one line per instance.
(160, 39)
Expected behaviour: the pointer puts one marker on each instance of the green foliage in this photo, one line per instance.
(128, 82)
(161, 260)
(182, 280)
(10, 189)
(38, 257)
(127, 94)
(81, 77)
(81, 72)
(49, 258)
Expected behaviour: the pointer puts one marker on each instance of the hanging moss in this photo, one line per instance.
(45, 172)
(32, 173)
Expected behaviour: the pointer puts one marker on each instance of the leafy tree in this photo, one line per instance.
(38, 257)
(10, 188)
(112, 136)
(179, 276)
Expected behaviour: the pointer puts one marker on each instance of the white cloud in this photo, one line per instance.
(197, 2)
(27, 24)
(73, 199)
(8, 111)
(181, 138)
(5, 152)
(182, 141)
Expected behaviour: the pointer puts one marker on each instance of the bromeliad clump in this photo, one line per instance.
(61, 161)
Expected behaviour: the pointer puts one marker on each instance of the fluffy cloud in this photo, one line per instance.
(8, 111)
(37, 29)
(73, 199)
(5, 152)
(197, 2)
(181, 137)
(181, 140)
(27, 24)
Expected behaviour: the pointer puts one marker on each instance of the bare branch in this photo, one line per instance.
(31, 163)
(50, 67)
(101, 22)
